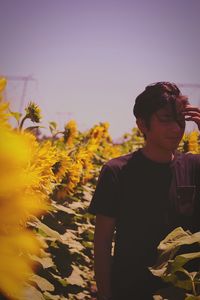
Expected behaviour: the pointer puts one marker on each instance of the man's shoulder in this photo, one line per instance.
(189, 156)
(120, 162)
(189, 159)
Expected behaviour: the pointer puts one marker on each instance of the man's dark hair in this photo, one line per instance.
(156, 96)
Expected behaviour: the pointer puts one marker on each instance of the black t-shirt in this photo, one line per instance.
(148, 200)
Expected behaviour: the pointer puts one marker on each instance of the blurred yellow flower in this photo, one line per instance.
(26, 179)
(3, 83)
(4, 106)
(193, 142)
(84, 157)
(99, 134)
(111, 151)
(15, 268)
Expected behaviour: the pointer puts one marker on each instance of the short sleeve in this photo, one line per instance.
(106, 196)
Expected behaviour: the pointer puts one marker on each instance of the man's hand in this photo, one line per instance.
(192, 113)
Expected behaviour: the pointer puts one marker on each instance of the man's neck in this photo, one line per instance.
(157, 155)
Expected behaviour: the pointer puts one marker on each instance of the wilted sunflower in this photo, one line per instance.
(33, 112)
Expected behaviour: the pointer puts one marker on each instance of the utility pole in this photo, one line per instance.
(25, 80)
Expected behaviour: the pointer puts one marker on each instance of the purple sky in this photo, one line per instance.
(91, 58)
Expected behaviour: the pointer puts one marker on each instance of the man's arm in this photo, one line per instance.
(104, 231)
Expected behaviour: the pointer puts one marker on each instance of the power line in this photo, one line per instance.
(189, 85)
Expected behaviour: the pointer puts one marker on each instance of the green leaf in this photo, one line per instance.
(30, 292)
(46, 262)
(63, 208)
(31, 128)
(75, 278)
(49, 296)
(70, 239)
(169, 246)
(42, 283)
(16, 115)
(177, 238)
(179, 279)
(169, 293)
(192, 297)
(181, 260)
(53, 125)
(47, 230)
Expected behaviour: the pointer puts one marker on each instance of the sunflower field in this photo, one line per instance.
(46, 184)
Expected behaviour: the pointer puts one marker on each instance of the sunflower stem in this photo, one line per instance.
(22, 122)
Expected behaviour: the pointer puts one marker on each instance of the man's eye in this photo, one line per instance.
(165, 118)
(171, 118)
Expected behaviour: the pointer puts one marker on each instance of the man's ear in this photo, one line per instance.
(141, 125)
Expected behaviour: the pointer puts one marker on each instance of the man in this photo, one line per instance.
(138, 196)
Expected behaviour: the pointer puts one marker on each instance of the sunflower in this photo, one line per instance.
(70, 132)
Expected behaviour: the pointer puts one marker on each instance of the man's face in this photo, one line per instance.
(166, 128)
